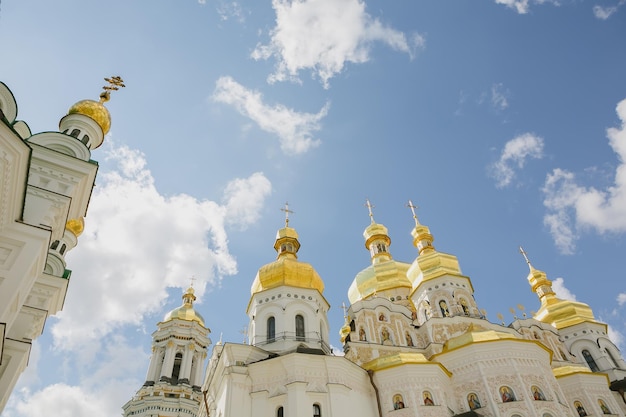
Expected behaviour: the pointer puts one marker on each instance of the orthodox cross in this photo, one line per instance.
(193, 278)
(287, 211)
(345, 310)
(413, 207)
(369, 208)
(115, 83)
(521, 250)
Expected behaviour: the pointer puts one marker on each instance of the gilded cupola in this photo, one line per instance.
(384, 273)
(429, 263)
(287, 269)
(186, 311)
(95, 110)
(555, 311)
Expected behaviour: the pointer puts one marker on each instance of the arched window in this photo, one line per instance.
(75, 133)
(464, 307)
(280, 412)
(55, 244)
(271, 329)
(178, 359)
(85, 140)
(317, 410)
(604, 408)
(299, 327)
(590, 361)
(580, 409)
(443, 306)
(62, 250)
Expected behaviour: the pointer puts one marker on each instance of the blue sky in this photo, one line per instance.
(500, 119)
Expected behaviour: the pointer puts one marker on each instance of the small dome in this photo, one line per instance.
(94, 110)
(76, 226)
(377, 278)
(186, 311)
(286, 269)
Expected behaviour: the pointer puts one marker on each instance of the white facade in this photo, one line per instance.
(45, 185)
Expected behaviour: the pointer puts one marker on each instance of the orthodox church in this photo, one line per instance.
(45, 186)
(415, 343)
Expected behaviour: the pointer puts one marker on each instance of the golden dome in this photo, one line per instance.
(476, 335)
(186, 311)
(379, 277)
(76, 226)
(555, 311)
(375, 231)
(286, 269)
(94, 110)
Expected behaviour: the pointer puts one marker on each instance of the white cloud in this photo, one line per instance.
(514, 155)
(523, 6)
(231, 10)
(324, 35)
(621, 299)
(499, 97)
(572, 207)
(138, 242)
(616, 337)
(558, 285)
(294, 129)
(604, 12)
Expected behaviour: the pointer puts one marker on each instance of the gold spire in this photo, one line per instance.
(286, 269)
(76, 226)
(555, 311)
(95, 110)
(369, 208)
(422, 239)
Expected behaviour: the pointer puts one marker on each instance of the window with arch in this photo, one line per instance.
(85, 140)
(55, 244)
(590, 361)
(473, 401)
(280, 412)
(443, 306)
(299, 327)
(271, 329)
(63, 248)
(603, 407)
(75, 133)
(317, 410)
(178, 360)
(428, 398)
(580, 409)
(398, 402)
(507, 394)
(464, 307)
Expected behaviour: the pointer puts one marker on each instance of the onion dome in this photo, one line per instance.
(94, 110)
(286, 269)
(75, 226)
(429, 263)
(555, 311)
(186, 311)
(384, 273)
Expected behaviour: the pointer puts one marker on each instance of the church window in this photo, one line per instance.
(271, 329)
(178, 359)
(352, 326)
(55, 244)
(299, 327)
(590, 361)
(85, 140)
(317, 410)
(62, 250)
(443, 306)
(608, 351)
(75, 133)
(280, 412)
(604, 408)
(465, 307)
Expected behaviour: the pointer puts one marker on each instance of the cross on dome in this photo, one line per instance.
(369, 208)
(287, 211)
(413, 207)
